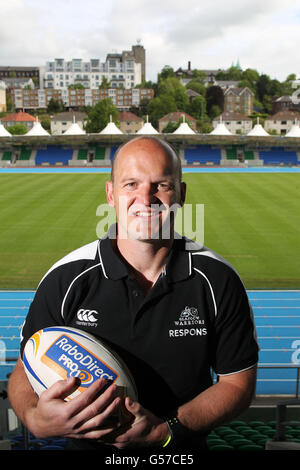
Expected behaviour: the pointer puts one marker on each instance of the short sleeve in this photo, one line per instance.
(44, 310)
(236, 346)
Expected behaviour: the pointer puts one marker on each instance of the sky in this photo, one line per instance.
(262, 35)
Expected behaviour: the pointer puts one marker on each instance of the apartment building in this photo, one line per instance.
(121, 70)
(25, 98)
(122, 98)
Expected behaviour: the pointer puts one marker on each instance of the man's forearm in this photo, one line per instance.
(20, 393)
(220, 403)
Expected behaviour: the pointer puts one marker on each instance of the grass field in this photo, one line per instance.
(253, 220)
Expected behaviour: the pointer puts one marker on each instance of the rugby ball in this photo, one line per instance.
(59, 352)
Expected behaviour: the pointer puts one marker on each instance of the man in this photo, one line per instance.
(172, 313)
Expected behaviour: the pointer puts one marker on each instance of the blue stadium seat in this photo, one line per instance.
(277, 156)
(113, 150)
(52, 155)
(202, 154)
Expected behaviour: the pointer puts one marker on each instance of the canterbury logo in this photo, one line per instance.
(87, 315)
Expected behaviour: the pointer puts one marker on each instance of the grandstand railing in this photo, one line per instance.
(287, 366)
(275, 366)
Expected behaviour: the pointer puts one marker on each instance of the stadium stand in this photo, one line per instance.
(249, 155)
(203, 154)
(6, 155)
(99, 153)
(82, 154)
(231, 154)
(25, 154)
(278, 156)
(53, 155)
(113, 150)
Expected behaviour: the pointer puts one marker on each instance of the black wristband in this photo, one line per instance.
(178, 431)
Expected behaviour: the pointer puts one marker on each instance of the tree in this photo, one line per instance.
(166, 72)
(172, 87)
(197, 108)
(99, 115)
(105, 84)
(76, 86)
(17, 129)
(55, 106)
(159, 107)
(263, 87)
(214, 97)
(170, 127)
(196, 86)
(9, 102)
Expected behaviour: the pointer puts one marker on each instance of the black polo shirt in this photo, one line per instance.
(195, 319)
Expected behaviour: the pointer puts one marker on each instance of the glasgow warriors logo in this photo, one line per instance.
(189, 316)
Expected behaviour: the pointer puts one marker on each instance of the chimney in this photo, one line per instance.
(189, 65)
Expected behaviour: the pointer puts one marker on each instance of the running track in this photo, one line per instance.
(276, 315)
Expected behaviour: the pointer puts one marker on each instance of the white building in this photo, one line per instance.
(236, 123)
(124, 70)
(281, 122)
(61, 122)
(2, 97)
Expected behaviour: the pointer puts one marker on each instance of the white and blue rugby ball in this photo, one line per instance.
(58, 352)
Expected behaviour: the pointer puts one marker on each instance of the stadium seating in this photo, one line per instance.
(235, 436)
(241, 435)
(278, 156)
(113, 150)
(99, 153)
(6, 155)
(231, 154)
(249, 155)
(25, 154)
(53, 155)
(82, 154)
(202, 154)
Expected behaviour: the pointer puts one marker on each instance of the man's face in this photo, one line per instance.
(146, 185)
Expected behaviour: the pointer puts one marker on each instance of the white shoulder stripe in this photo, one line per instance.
(85, 252)
(211, 289)
(101, 262)
(212, 254)
(70, 286)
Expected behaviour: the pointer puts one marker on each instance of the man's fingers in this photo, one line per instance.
(102, 422)
(62, 388)
(135, 409)
(92, 405)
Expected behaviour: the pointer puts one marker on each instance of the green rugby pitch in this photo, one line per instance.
(252, 220)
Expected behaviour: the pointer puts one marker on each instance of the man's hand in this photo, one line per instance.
(144, 430)
(85, 416)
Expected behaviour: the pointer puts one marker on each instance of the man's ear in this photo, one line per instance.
(110, 193)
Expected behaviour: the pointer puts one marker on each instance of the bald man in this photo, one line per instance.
(172, 312)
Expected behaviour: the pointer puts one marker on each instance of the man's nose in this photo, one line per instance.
(147, 194)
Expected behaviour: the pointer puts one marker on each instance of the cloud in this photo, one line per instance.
(263, 35)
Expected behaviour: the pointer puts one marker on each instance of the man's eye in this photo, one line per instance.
(164, 186)
(130, 185)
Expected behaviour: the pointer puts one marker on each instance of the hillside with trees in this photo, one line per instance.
(171, 95)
